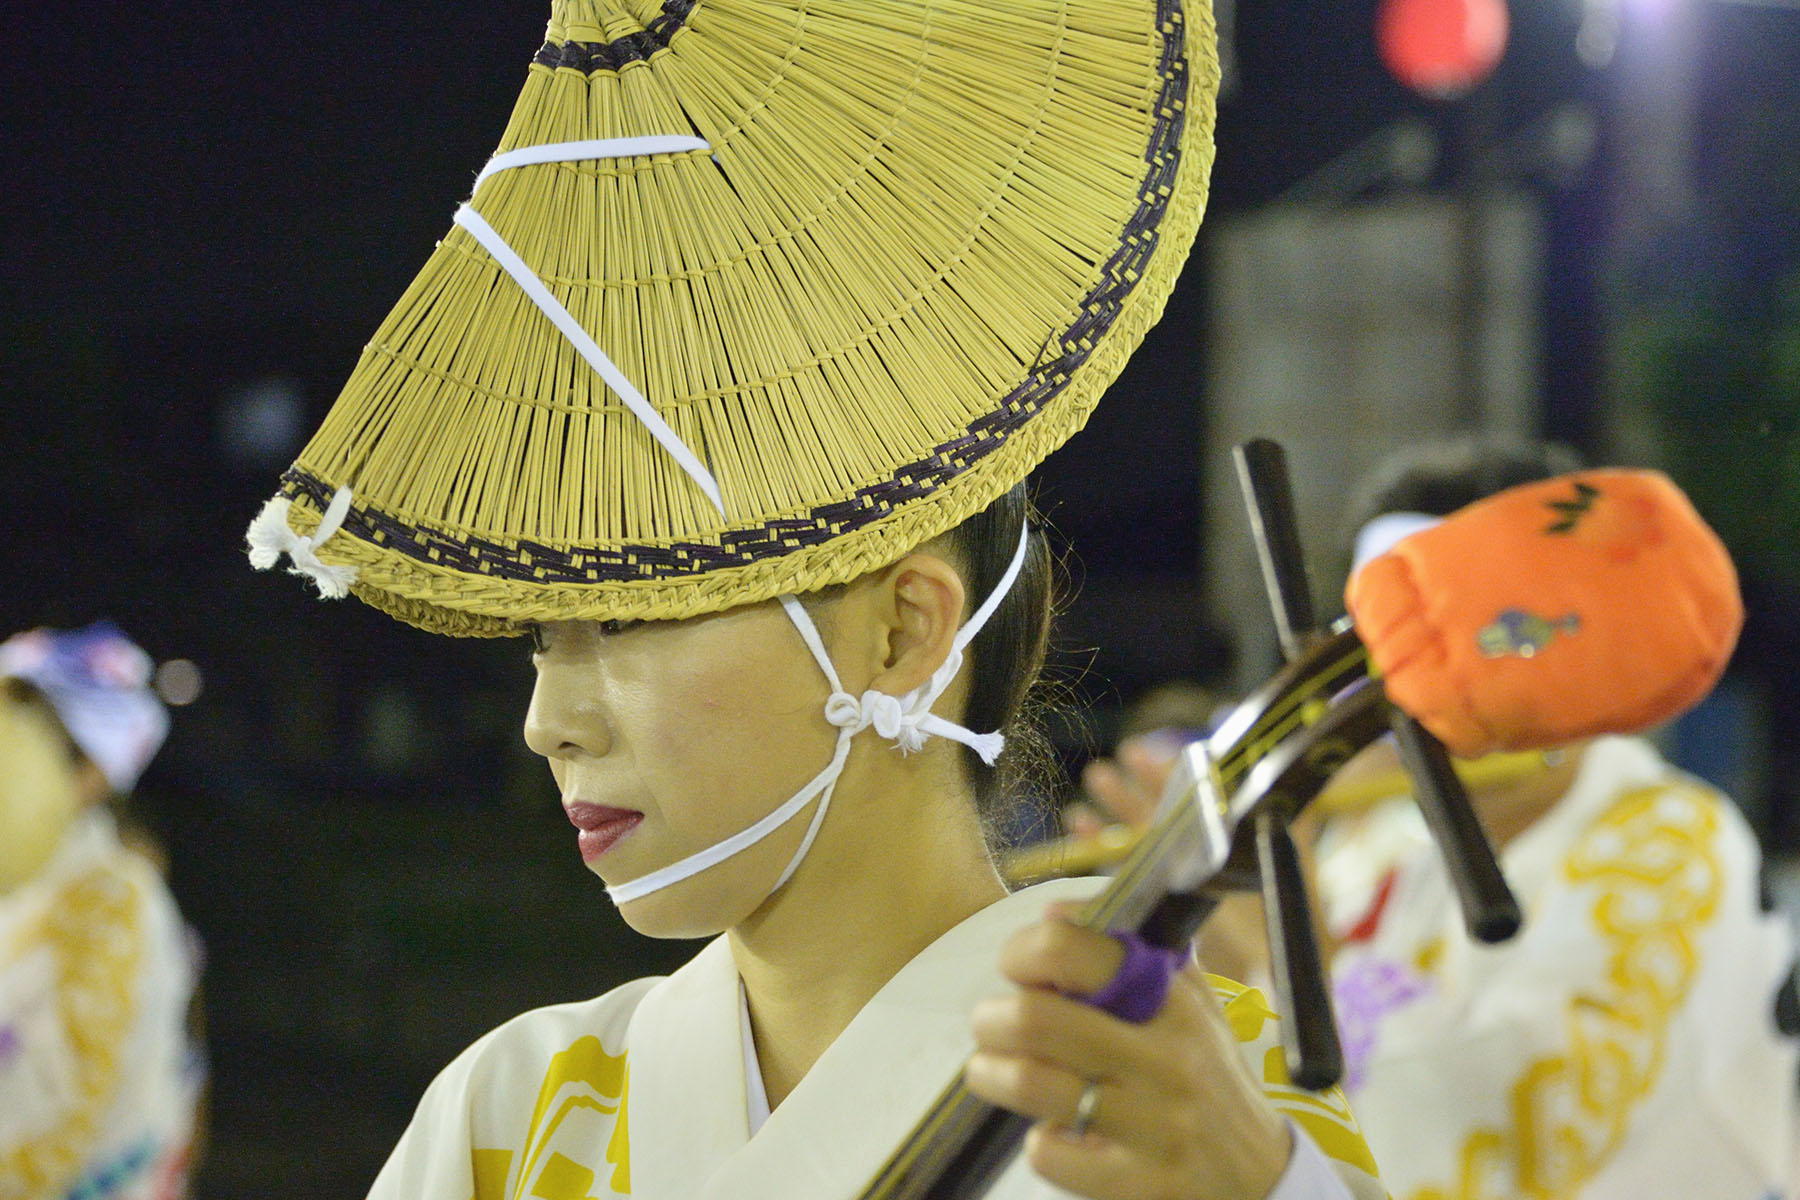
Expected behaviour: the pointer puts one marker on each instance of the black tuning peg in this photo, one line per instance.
(1309, 1036)
(1489, 908)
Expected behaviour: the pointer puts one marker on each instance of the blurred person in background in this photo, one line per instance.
(100, 1077)
(1625, 1042)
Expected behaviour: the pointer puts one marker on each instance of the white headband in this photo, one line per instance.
(907, 721)
(1385, 532)
(99, 683)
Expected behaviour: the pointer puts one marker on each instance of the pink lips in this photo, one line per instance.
(601, 827)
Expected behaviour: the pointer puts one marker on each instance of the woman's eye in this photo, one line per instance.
(540, 642)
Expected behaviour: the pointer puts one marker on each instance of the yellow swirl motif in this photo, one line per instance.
(93, 927)
(1652, 854)
(584, 1078)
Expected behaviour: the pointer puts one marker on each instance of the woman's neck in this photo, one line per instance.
(1506, 810)
(899, 861)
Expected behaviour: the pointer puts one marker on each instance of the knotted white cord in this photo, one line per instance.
(270, 536)
(907, 721)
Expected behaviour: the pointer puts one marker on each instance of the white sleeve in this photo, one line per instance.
(1309, 1174)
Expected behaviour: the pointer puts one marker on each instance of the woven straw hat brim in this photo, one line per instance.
(920, 242)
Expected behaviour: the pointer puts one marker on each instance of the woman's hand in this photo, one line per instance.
(1178, 1117)
(1126, 787)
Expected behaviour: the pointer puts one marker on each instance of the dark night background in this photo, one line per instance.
(207, 206)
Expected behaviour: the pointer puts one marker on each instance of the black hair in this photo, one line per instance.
(1438, 477)
(1006, 659)
(1004, 663)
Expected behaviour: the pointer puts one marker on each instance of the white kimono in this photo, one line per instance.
(98, 1079)
(1622, 1046)
(643, 1091)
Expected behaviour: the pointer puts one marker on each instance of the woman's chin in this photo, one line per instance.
(653, 920)
(692, 908)
(722, 896)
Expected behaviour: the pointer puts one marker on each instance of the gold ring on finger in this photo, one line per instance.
(1087, 1107)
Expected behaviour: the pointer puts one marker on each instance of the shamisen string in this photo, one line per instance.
(907, 721)
(270, 535)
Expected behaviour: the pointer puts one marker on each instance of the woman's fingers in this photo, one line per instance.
(1066, 1033)
(1083, 821)
(1055, 959)
(1150, 759)
(1088, 1166)
(1125, 1111)
(1173, 1109)
(1119, 793)
(1043, 1091)
(1063, 957)
(1108, 1170)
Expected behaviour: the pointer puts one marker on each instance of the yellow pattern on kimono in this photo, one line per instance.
(94, 929)
(1653, 856)
(595, 1080)
(1325, 1116)
(598, 1076)
(618, 1147)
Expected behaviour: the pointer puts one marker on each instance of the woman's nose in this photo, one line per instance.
(565, 719)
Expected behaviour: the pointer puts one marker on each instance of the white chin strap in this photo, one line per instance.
(907, 721)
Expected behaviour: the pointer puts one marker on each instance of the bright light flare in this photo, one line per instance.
(179, 682)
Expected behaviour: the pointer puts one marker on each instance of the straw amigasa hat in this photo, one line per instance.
(753, 299)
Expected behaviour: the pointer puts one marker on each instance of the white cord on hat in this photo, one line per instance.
(907, 721)
(625, 147)
(270, 536)
(552, 308)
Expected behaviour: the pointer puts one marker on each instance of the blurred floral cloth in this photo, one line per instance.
(99, 1079)
(1623, 1045)
(98, 681)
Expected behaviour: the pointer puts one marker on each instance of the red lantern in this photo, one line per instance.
(1441, 48)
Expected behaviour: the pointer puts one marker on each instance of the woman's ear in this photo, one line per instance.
(921, 599)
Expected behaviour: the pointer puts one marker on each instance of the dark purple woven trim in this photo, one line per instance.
(1057, 363)
(593, 57)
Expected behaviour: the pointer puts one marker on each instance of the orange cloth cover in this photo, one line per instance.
(1593, 603)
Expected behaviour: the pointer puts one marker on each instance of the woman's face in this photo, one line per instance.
(667, 737)
(40, 787)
